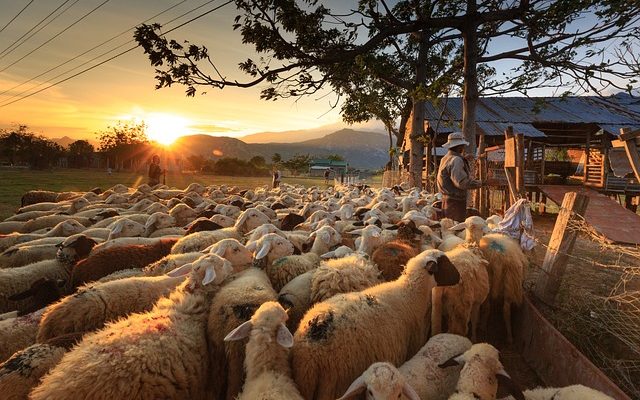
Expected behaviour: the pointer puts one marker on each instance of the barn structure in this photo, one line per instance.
(317, 167)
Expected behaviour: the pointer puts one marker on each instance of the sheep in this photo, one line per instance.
(129, 358)
(183, 214)
(449, 238)
(391, 257)
(223, 220)
(129, 241)
(247, 221)
(481, 374)
(234, 251)
(493, 221)
(114, 259)
(339, 252)
(44, 291)
(49, 221)
(22, 372)
(8, 227)
(262, 230)
(18, 256)
(17, 280)
(274, 250)
(93, 305)
(126, 228)
(25, 216)
(38, 196)
(573, 392)
(381, 381)
(234, 304)
(169, 263)
(18, 333)
(201, 224)
(387, 322)
(352, 273)
(461, 302)
(370, 239)
(157, 221)
(266, 363)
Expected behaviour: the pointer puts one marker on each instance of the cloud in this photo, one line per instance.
(208, 128)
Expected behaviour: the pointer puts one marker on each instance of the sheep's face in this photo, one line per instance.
(272, 247)
(162, 220)
(74, 248)
(156, 207)
(206, 270)
(267, 211)
(126, 228)
(250, 219)
(116, 199)
(222, 220)
(80, 203)
(183, 214)
(381, 381)
(435, 263)
(234, 251)
(262, 230)
(328, 235)
(71, 227)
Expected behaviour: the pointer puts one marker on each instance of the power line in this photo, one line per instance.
(2, 53)
(114, 57)
(17, 15)
(102, 54)
(90, 50)
(55, 36)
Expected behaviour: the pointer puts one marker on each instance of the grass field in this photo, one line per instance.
(15, 182)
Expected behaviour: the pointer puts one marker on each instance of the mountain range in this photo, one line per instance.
(363, 150)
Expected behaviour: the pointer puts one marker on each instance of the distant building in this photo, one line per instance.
(317, 167)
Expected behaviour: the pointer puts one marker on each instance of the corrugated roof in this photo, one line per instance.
(494, 114)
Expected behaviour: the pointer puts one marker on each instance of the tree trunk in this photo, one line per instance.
(402, 129)
(417, 117)
(470, 74)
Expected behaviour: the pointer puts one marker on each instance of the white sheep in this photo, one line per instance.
(126, 227)
(18, 333)
(266, 356)
(234, 304)
(370, 238)
(158, 221)
(461, 303)
(234, 251)
(573, 392)
(449, 239)
(388, 322)
(129, 358)
(247, 221)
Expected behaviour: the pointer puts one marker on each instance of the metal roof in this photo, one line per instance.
(494, 114)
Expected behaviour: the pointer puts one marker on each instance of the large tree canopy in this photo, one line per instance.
(411, 51)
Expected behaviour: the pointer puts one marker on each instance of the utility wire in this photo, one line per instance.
(2, 53)
(55, 36)
(114, 57)
(90, 50)
(17, 15)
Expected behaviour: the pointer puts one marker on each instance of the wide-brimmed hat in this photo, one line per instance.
(455, 139)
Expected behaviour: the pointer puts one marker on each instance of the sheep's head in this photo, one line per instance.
(269, 318)
(173, 202)
(119, 188)
(126, 228)
(74, 248)
(157, 221)
(262, 230)
(195, 187)
(371, 237)
(142, 204)
(79, 203)
(201, 224)
(267, 211)
(482, 364)
(222, 220)
(250, 219)
(232, 250)
(475, 228)
(340, 252)
(271, 246)
(346, 211)
(206, 270)
(116, 198)
(311, 208)
(327, 235)
(66, 228)
(156, 207)
(437, 264)
(183, 214)
(381, 381)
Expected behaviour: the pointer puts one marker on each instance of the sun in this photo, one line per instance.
(166, 128)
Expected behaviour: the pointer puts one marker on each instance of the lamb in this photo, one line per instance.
(266, 363)
(114, 259)
(387, 322)
(461, 303)
(93, 305)
(234, 304)
(247, 221)
(481, 374)
(129, 358)
(18, 280)
(129, 241)
(22, 372)
(352, 273)
(183, 214)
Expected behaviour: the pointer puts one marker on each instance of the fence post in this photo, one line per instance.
(560, 247)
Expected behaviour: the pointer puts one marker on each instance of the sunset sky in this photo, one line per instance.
(123, 89)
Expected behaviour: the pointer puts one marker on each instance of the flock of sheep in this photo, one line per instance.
(287, 293)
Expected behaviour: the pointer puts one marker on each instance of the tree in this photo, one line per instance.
(80, 153)
(22, 146)
(335, 157)
(197, 161)
(298, 164)
(126, 142)
(276, 158)
(436, 41)
(258, 161)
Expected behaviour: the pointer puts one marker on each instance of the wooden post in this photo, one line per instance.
(560, 247)
(628, 137)
(510, 162)
(519, 166)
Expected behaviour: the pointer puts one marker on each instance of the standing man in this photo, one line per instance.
(277, 177)
(327, 172)
(155, 171)
(454, 178)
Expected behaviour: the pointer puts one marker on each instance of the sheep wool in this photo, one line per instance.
(267, 363)
(18, 333)
(388, 322)
(234, 304)
(130, 359)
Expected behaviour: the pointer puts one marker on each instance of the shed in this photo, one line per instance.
(317, 167)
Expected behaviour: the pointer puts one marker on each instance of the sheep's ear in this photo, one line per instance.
(393, 227)
(507, 384)
(220, 251)
(251, 246)
(409, 392)
(459, 227)
(240, 332)
(454, 361)
(151, 221)
(434, 224)
(376, 234)
(209, 275)
(328, 255)
(358, 386)
(83, 245)
(284, 336)
(180, 271)
(117, 228)
(356, 232)
(264, 250)
(444, 272)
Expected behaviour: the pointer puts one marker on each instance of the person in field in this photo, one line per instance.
(155, 171)
(277, 177)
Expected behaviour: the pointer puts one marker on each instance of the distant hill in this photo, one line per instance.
(291, 136)
(65, 141)
(364, 150)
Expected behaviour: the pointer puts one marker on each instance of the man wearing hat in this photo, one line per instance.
(454, 178)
